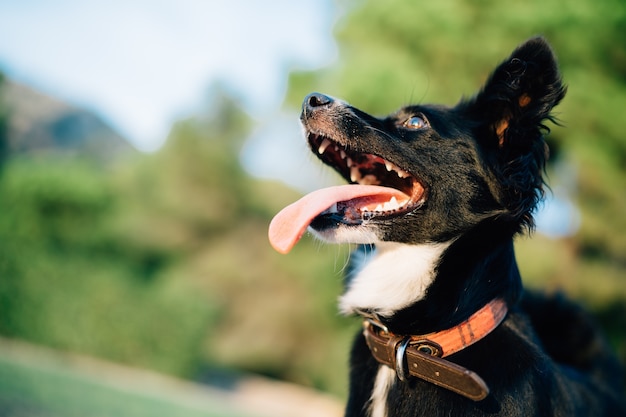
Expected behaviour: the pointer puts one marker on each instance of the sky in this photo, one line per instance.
(143, 64)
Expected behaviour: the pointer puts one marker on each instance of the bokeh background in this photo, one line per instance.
(145, 146)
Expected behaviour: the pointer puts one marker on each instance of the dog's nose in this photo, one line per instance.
(314, 101)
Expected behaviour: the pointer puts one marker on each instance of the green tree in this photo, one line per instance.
(4, 126)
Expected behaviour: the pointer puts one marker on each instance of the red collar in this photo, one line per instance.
(421, 355)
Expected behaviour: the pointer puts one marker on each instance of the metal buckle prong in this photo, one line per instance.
(400, 358)
(377, 324)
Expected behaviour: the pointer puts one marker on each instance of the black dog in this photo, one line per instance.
(437, 196)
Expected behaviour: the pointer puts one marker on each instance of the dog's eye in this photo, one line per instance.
(415, 122)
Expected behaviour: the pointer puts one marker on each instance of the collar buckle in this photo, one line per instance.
(422, 355)
(377, 324)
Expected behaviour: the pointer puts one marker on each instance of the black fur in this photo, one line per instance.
(481, 164)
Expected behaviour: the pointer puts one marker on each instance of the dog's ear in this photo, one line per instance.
(519, 96)
(510, 112)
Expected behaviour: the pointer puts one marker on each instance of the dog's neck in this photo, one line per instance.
(442, 285)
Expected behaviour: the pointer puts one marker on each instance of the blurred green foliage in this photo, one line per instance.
(162, 261)
(71, 280)
(4, 118)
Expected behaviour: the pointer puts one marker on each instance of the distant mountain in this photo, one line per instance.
(38, 123)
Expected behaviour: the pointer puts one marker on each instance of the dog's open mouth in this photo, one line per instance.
(379, 190)
(368, 169)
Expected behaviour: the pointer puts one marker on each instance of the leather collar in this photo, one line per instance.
(421, 355)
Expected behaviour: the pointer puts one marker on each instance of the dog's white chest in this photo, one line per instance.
(395, 277)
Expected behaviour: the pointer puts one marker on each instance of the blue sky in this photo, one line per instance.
(144, 64)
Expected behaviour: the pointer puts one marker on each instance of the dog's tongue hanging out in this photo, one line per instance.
(290, 223)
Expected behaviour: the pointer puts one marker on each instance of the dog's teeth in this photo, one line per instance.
(391, 205)
(323, 146)
(355, 174)
(342, 154)
(348, 162)
(388, 206)
(390, 166)
(403, 174)
(369, 180)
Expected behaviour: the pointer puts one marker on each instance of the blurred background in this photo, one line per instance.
(145, 146)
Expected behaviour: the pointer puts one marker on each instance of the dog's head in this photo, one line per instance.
(430, 173)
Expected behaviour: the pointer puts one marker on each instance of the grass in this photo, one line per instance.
(35, 383)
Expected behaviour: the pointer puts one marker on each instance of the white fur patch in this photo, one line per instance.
(378, 401)
(346, 234)
(395, 277)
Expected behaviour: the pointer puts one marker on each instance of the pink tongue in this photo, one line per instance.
(288, 226)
